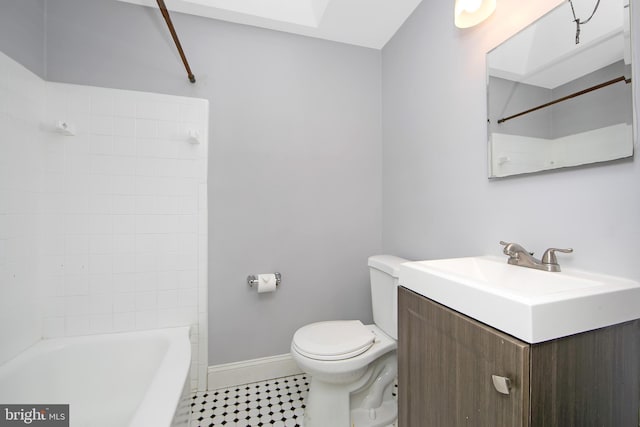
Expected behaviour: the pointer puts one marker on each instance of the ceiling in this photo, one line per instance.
(367, 23)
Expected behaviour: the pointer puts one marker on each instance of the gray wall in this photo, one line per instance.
(295, 157)
(22, 33)
(437, 201)
(508, 97)
(607, 106)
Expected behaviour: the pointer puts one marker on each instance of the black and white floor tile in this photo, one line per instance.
(273, 403)
(279, 402)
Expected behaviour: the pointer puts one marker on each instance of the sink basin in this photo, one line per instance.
(529, 304)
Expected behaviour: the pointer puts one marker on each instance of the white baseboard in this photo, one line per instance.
(249, 371)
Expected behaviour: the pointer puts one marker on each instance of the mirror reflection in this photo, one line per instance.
(559, 91)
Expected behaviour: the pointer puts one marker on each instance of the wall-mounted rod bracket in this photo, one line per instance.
(174, 35)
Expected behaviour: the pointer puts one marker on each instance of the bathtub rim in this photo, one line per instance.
(160, 402)
(163, 393)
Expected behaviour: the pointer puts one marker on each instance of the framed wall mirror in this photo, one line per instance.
(559, 94)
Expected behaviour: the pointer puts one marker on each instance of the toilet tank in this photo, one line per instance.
(383, 272)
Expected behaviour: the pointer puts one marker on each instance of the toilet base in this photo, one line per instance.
(367, 402)
(383, 416)
(327, 405)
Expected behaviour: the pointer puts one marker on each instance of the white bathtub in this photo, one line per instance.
(136, 379)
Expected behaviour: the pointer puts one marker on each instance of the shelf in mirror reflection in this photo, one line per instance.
(514, 154)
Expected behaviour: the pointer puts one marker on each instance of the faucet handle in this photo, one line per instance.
(549, 256)
(508, 248)
(512, 249)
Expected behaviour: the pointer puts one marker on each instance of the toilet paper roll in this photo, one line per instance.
(266, 283)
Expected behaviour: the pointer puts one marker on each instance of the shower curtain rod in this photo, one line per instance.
(564, 98)
(167, 18)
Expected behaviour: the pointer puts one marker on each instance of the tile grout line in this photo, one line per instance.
(277, 402)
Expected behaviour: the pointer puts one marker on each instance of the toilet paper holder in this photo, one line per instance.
(252, 279)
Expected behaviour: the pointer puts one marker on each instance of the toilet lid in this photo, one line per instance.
(333, 340)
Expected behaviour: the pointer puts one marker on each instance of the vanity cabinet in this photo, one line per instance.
(446, 361)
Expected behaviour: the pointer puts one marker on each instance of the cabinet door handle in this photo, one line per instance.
(501, 384)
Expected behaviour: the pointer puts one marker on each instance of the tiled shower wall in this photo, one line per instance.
(122, 214)
(21, 153)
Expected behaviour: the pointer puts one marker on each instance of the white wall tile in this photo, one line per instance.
(124, 243)
(101, 323)
(124, 321)
(75, 305)
(99, 203)
(53, 327)
(124, 145)
(77, 166)
(167, 299)
(76, 224)
(146, 129)
(168, 111)
(188, 297)
(78, 100)
(169, 280)
(146, 263)
(123, 263)
(76, 284)
(101, 244)
(124, 126)
(101, 304)
(52, 265)
(146, 319)
(100, 284)
(101, 223)
(102, 125)
(146, 281)
(124, 104)
(123, 204)
(102, 103)
(100, 263)
(124, 282)
(147, 109)
(109, 214)
(76, 265)
(122, 185)
(101, 143)
(146, 300)
(76, 244)
(51, 244)
(124, 302)
(112, 165)
(53, 287)
(124, 224)
(77, 325)
(170, 131)
(53, 307)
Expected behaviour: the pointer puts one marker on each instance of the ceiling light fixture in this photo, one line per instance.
(472, 12)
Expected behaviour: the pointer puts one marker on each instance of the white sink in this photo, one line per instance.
(531, 305)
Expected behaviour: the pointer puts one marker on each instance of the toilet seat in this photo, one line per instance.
(333, 340)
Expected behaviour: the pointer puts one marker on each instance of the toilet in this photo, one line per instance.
(353, 366)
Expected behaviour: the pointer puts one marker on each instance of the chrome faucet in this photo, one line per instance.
(520, 256)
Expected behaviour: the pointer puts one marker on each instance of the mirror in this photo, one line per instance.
(554, 103)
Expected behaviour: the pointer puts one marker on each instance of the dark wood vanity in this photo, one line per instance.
(446, 361)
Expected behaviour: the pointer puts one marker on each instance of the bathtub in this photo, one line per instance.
(135, 379)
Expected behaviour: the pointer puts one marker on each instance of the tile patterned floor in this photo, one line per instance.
(272, 403)
(278, 402)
